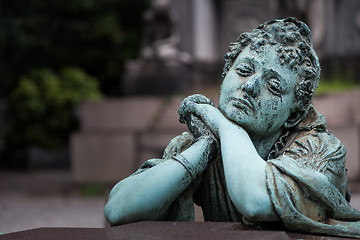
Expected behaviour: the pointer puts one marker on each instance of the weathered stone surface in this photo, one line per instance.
(99, 157)
(119, 114)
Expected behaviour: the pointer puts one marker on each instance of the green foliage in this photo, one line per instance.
(97, 36)
(337, 86)
(338, 82)
(92, 189)
(43, 106)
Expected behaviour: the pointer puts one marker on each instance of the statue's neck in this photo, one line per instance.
(264, 145)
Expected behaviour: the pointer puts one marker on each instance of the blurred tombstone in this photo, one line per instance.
(106, 147)
(162, 68)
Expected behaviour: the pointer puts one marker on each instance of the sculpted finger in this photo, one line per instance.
(186, 108)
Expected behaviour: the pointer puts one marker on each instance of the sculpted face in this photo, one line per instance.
(258, 93)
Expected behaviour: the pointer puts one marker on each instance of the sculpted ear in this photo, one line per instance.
(294, 119)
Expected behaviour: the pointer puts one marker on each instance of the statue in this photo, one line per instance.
(161, 40)
(264, 158)
(163, 67)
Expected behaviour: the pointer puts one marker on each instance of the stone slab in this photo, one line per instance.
(161, 230)
(127, 114)
(101, 157)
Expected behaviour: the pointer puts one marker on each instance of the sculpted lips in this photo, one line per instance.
(241, 102)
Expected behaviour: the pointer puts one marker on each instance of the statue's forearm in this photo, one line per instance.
(245, 174)
(149, 195)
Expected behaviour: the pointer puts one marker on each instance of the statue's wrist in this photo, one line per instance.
(190, 168)
(196, 158)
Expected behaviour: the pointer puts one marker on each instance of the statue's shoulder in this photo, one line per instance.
(320, 151)
(316, 142)
(312, 144)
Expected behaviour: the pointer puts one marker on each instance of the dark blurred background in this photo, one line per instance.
(90, 89)
(95, 36)
(55, 54)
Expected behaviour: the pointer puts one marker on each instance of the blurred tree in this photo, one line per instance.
(97, 36)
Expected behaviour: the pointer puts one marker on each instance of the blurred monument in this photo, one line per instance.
(162, 68)
(173, 29)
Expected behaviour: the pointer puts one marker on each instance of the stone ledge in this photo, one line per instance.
(162, 230)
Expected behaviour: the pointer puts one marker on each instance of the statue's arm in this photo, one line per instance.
(243, 167)
(149, 194)
(245, 174)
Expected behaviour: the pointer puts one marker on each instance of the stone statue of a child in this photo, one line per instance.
(263, 158)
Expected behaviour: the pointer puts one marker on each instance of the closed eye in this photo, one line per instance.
(245, 69)
(274, 86)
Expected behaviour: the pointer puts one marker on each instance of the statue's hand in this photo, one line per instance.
(178, 144)
(210, 116)
(196, 125)
(187, 105)
(186, 115)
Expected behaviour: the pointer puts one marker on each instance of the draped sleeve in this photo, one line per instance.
(307, 186)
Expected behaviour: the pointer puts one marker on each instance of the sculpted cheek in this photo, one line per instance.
(269, 112)
(270, 106)
(266, 120)
(274, 105)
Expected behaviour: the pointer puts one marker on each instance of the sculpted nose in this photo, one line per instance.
(252, 87)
